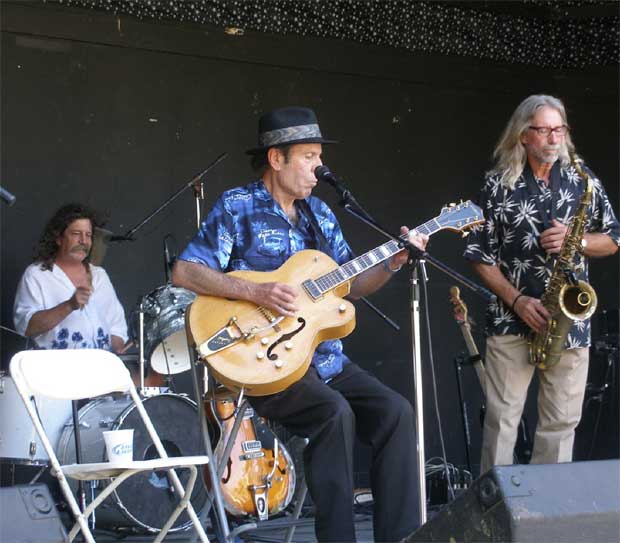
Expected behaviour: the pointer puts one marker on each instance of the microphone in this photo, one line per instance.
(323, 173)
(7, 197)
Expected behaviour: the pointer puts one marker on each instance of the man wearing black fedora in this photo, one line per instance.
(258, 227)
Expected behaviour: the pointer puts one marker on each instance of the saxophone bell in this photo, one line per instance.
(578, 302)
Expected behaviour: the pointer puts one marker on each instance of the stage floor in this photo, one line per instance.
(304, 533)
(275, 530)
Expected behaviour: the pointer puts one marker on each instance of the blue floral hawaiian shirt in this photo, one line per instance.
(510, 238)
(248, 230)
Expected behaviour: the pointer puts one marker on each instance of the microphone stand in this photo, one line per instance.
(195, 181)
(349, 204)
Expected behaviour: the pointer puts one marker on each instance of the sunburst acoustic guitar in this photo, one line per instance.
(251, 347)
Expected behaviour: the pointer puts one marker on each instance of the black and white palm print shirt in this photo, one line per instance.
(510, 236)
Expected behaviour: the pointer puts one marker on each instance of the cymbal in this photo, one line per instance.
(101, 237)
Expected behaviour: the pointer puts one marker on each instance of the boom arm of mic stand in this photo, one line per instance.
(196, 179)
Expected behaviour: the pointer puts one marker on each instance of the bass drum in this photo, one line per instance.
(146, 499)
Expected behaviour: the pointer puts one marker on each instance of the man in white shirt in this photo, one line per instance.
(63, 301)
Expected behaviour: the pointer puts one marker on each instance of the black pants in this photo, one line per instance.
(330, 415)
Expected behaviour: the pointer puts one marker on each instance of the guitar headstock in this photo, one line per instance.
(459, 307)
(460, 217)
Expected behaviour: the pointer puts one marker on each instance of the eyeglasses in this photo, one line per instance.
(546, 130)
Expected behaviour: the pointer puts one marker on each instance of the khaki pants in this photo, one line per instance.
(560, 399)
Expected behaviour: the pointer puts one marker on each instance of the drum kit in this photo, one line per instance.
(186, 428)
(140, 504)
(144, 500)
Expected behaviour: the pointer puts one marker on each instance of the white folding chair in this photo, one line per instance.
(78, 374)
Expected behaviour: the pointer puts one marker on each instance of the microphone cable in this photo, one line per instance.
(434, 380)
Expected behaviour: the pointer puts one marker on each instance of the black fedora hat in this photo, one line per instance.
(286, 126)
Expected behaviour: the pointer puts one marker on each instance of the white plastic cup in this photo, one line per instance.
(119, 445)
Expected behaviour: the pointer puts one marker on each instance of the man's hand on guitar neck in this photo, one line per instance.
(374, 278)
(418, 240)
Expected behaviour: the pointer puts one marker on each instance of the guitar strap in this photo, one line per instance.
(319, 238)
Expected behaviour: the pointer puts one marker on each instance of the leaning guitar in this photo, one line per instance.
(523, 446)
(460, 315)
(259, 478)
(251, 347)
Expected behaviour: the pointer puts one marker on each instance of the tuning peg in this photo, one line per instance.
(452, 204)
(465, 233)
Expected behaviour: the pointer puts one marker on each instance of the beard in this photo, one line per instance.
(548, 154)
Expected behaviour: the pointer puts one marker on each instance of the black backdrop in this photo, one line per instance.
(119, 113)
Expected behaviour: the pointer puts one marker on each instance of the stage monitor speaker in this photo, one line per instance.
(28, 515)
(577, 501)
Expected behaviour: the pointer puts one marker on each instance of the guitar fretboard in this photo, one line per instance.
(317, 287)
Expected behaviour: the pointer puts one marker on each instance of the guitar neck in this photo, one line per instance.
(472, 349)
(351, 269)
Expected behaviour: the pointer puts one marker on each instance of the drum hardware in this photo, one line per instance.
(78, 459)
(141, 344)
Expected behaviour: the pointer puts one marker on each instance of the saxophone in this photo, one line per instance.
(566, 298)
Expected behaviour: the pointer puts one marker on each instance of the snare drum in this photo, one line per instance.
(165, 341)
(146, 499)
(19, 441)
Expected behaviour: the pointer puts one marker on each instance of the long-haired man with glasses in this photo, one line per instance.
(528, 199)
